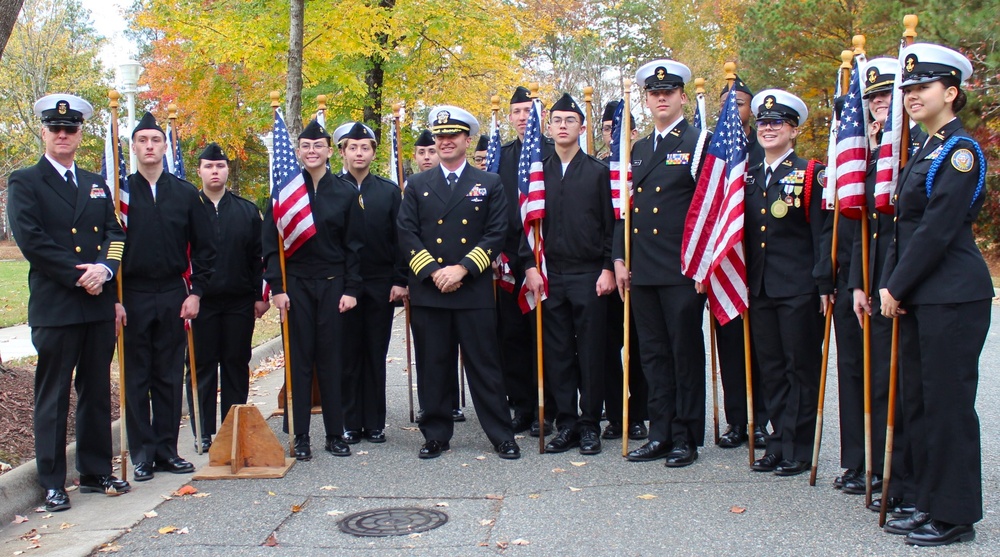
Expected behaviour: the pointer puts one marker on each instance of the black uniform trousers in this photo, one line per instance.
(939, 374)
(850, 385)
(516, 332)
(574, 320)
(88, 347)
(732, 371)
(672, 348)
(316, 328)
(223, 333)
(154, 370)
(787, 340)
(638, 390)
(436, 332)
(367, 331)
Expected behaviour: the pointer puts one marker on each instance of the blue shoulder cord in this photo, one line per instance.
(945, 149)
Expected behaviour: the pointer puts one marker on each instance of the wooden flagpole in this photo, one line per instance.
(699, 85)
(909, 34)
(113, 95)
(536, 230)
(588, 101)
(625, 209)
(397, 116)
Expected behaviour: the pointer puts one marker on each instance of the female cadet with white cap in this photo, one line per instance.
(936, 282)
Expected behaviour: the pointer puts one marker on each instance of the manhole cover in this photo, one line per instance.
(392, 522)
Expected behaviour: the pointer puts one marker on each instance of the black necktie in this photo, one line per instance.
(452, 180)
(767, 177)
(659, 141)
(69, 179)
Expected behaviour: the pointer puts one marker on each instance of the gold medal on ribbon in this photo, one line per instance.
(798, 203)
(779, 209)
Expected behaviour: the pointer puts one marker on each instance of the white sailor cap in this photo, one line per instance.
(775, 104)
(447, 120)
(352, 130)
(926, 62)
(63, 110)
(878, 75)
(661, 75)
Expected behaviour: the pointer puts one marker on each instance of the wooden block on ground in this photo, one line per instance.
(245, 447)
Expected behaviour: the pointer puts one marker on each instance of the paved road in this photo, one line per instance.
(540, 505)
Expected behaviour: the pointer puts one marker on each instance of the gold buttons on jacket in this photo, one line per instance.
(635, 231)
(73, 230)
(763, 211)
(874, 215)
(875, 235)
(657, 189)
(763, 228)
(95, 229)
(78, 250)
(639, 190)
(98, 247)
(440, 260)
(439, 240)
(477, 208)
(656, 210)
(440, 221)
(655, 231)
(636, 210)
(463, 240)
(762, 244)
(465, 221)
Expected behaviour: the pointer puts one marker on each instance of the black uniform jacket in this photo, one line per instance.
(439, 227)
(57, 228)
(935, 259)
(238, 264)
(381, 258)
(579, 221)
(160, 231)
(662, 190)
(510, 155)
(787, 256)
(335, 249)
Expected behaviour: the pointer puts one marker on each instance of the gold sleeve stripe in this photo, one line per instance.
(480, 258)
(420, 260)
(115, 250)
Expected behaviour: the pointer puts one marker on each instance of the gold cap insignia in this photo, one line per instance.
(62, 107)
(661, 73)
(769, 102)
(443, 117)
(872, 75)
(911, 62)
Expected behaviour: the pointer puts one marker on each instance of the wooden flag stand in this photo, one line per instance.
(317, 407)
(245, 448)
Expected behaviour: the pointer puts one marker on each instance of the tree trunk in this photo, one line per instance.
(374, 78)
(9, 9)
(293, 83)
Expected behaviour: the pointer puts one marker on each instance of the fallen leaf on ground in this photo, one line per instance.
(487, 522)
(578, 463)
(329, 487)
(72, 488)
(518, 437)
(18, 519)
(502, 545)
(296, 508)
(151, 514)
(484, 544)
(647, 496)
(201, 494)
(271, 541)
(575, 488)
(110, 548)
(494, 497)
(520, 541)
(361, 452)
(271, 493)
(558, 470)
(29, 534)
(166, 497)
(167, 530)
(535, 496)
(47, 516)
(738, 510)
(186, 490)
(415, 535)
(66, 526)
(441, 504)
(40, 510)
(465, 465)
(480, 457)
(183, 530)
(334, 513)
(411, 429)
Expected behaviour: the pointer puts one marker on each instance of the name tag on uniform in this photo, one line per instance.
(637, 162)
(97, 192)
(674, 159)
(477, 191)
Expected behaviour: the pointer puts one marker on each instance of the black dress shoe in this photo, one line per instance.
(508, 450)
(735, 436)
(653, 450)
(457, 415)
(906, 525)
(351, 436)
(848, 474)
(174, 465)
(433, 449)
(766, 464)
(791, 467)
(103, 484)
(637, 431)
(903, 510)
(566, 439)
(56, 500)
(682, 454)
(936, 533)
(520, 423)
(759, 436)
(206, 443)
(374, 436)
(302, 449)
(336, 446)
(534, 430)
(143, 471)
(854, 486)
(612, 431)
(590, 442)
(419, 416)
(876, 504)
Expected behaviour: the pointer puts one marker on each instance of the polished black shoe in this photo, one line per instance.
(637, 431)
(590, 442)
(508, 450)
(906, 525)
(374, 436)
(653, 450)
(765, 464)
(735, 436)
(759, 436)
(682, 454)
(302, 449)
(566, 439)
(143, 471)
(848, 474)
(174, 465)
(856, 484)
(936, 533)
(433, 449)
(457, 415)
(336, 446)
(903, 510)
(534, 430)
(791, 467)
(56, 500)
(612, 431)
(419, 416)
(206, 443)
(351, 436)
(103, 484)
(520, 423)
(876, 504)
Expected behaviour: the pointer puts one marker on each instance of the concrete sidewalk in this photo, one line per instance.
(15, 342)
(564, 504)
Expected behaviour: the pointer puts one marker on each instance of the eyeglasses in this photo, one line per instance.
(607, 128)
(570, 121)
(479, 160)
(318, 146)
(56, 128)
(770, 124)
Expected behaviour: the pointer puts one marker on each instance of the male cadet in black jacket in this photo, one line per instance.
(451, 226)
(368, 327)
(167, 219)
(578, 228)
(515, 327)
(668, 308)
(64, 222)
(232, 300)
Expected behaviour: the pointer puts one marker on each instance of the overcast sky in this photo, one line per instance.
(107, 19)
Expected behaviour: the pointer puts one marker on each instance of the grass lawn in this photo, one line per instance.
(13, 293)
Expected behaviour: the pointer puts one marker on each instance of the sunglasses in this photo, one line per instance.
(58, 128)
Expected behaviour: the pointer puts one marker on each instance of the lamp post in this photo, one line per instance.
(128, 75)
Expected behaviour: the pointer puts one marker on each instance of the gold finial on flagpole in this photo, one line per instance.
(275, 103)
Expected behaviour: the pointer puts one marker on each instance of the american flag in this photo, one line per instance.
(107, 173)
(173, 162)
(887, 164)
(531, 183)
(852, 149)
(712, 247)
(289, 194)
(830, 184)
(700, 113)
(619, 160)
(493, 148)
